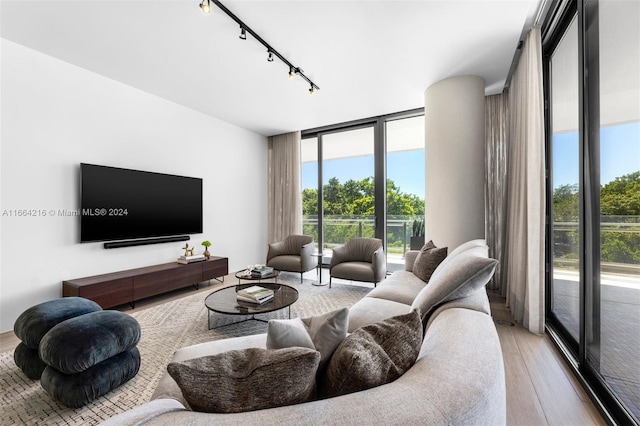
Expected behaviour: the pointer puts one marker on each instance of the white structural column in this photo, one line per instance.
(455, 161)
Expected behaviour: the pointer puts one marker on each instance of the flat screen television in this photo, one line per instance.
(122, 204)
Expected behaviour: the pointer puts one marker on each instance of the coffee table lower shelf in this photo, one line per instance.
(224, 301)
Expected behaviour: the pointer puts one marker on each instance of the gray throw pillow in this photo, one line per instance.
(321, 332)
(247, 379)
(373, 355)
(427, 261)
(462, 276)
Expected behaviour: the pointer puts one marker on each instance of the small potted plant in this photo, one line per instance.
(417, 240)
(206, 245)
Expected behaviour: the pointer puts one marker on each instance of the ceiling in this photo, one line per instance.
(368, 57)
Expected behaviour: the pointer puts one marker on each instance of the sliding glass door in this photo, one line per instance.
(405, 187)
(348, 196)
(615, 354)
(365, 179)
(593, 92)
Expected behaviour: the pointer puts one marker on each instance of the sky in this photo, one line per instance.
(405, 168)
(620, 155)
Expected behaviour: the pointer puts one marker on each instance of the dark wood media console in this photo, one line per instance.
(119, 288)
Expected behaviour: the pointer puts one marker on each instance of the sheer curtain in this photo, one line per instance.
(523, 254)
(497, 132)
(285, 202)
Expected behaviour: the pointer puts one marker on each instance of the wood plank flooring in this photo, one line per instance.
(541, 389)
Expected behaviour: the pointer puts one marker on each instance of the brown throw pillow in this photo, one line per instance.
(428, 260)
(374, 355)
(247, 379)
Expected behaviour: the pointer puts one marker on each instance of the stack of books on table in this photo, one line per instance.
(190, 259)
(261, 271)
(255, 294)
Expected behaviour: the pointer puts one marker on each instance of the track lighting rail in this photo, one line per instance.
(293, 70)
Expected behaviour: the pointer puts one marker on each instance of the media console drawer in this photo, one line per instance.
(119, 288)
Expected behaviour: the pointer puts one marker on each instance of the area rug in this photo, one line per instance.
(165, 328)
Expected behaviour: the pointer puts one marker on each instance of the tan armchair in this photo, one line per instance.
(294, 254)
(360, 259)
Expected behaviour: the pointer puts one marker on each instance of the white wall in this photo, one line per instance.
(55, 116)
(454, 161)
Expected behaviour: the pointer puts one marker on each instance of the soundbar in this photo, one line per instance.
(146, 241)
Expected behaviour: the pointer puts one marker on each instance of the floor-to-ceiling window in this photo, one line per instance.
(365, 179)
(592, 51)
(405, 187)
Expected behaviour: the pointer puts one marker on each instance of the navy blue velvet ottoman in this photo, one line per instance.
(36, 321)
(89, 355)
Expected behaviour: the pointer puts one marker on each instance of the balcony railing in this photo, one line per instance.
(339, 229)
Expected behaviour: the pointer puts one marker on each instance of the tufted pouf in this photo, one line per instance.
(82, 342)
(36, 321)
(76, 390)
(89, 355)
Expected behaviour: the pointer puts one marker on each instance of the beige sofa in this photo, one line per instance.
(458, 377)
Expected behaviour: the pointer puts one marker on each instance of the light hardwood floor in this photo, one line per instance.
(541, 389)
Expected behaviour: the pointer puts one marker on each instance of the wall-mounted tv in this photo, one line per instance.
(123, 204)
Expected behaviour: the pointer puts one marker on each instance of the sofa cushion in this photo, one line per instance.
(247, 380)
(462, 276)
(76, 390)
(321, 332)
(478, 246)
(427, 261)
(82, 342)
(374, 355)
(401, 287)
(36, 321)
(369, 310)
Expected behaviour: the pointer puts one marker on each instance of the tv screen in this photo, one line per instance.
(123, 204)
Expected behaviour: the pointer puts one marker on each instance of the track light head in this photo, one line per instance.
(270, 57)
(205, 6)
(292, 73)
(312, 90)
(243, 34)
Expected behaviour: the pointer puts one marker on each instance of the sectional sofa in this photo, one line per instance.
(457, 379)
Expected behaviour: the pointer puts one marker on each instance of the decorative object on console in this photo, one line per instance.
(187, 251)
(205, 6)
(206, 245)
(244, 380)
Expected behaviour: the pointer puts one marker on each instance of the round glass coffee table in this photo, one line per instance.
(224, 301)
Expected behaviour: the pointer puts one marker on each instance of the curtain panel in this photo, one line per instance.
(284, 200)
(496, 134)
(523, 254)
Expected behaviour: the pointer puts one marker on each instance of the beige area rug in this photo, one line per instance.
(165, 328)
